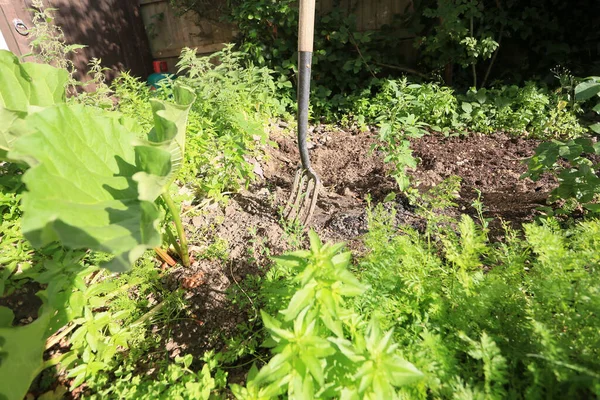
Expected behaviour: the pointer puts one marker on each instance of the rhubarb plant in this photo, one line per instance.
(92, 182)
(24, 88)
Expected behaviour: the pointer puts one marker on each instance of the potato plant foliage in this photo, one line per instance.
(91, 181)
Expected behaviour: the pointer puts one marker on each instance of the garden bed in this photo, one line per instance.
(250, 224)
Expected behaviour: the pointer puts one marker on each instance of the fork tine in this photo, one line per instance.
(294, 192)
(303, 196)
(294, 211)
(312, 194)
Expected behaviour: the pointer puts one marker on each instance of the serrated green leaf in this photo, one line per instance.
(77, 301)
(292, 260)
(314, 367)
(347, 349)
(341, 260)
(81, 190)
(274, 326)
(315, 242)
(302, 298)
(25, 87)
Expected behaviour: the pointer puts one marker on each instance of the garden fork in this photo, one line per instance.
(306, 182)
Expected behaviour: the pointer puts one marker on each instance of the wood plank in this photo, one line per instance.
(169, 33)
(384, 13)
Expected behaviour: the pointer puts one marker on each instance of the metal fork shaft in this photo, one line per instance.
(304, 174)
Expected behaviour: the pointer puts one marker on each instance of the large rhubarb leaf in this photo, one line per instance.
(24, 87)
(21, 353)
(25, 84)
(80, 186)
(168, 135)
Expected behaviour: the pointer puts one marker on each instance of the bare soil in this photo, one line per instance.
(350, 170)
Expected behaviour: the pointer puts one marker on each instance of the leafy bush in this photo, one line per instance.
(589, 91)
(574, 162)
(431, 103)
(460, 37)
(528, 110)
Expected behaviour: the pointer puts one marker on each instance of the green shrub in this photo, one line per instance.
(529, 110)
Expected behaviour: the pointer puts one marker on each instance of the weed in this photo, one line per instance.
(217, 250)
(293, 231)
(49, 46)
(172, 380)
(258, 251)
(321, 348)
(48, 41)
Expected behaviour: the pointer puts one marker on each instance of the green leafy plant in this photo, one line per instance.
(586, 90)
(49, 46)
(322, 348)
(227, 122)
(483, 319)
(461, 36)
(578, 179)
(528, 110)
(21, 95)
(175, 381)
(91, 183)
(48, 42)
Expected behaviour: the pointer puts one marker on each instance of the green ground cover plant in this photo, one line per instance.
(488, 320)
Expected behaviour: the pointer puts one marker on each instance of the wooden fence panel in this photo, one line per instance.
(169, 33)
